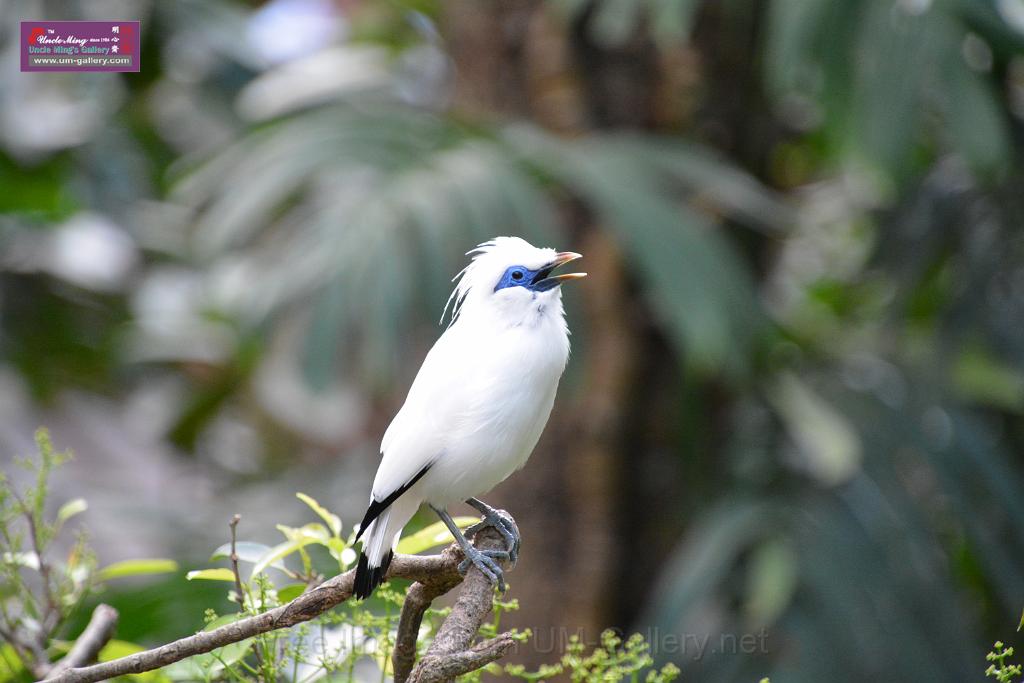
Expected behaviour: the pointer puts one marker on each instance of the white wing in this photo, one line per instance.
(415, 438)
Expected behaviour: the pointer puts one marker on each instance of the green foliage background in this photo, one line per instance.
(804, 220)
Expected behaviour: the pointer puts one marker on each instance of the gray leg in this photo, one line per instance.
(481, 559)
(494, 518)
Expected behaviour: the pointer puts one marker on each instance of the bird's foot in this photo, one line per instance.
(499, 521)
(484, 560)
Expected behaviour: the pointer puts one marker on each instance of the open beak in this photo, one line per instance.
(545, 281)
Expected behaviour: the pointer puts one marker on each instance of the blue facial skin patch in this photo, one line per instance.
(533, 280)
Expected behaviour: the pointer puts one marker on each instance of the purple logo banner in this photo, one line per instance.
(80, 46)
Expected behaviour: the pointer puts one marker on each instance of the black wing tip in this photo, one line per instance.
(367, 577)
(376, 507)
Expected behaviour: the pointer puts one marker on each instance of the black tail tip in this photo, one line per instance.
(367, 577)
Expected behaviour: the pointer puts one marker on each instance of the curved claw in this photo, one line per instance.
(484, 561)
(493, 518)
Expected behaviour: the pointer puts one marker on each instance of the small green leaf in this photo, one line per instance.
(981, 377)
(11, 667)
(136, 568)
(218, 574)
(115, 649)
(771, 581)
(247, 551)
(432, 536)
(830, 446)
(289, 593)
(281, 551)
(1021, 624)
(70, 509)
(314, 531)
(332, 520)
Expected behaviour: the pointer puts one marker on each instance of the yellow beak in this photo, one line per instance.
(561, 258)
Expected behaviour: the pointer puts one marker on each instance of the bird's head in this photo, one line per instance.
(513, 279)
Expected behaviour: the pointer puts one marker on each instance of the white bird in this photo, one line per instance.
(477, 406)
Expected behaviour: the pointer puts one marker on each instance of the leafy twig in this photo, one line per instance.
(1003, 671)
(432, 571)
(233, 525)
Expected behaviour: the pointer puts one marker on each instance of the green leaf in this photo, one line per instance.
(217, 574)
(136, 568)
(281, 551)
(830, 445)
(712, 177)
(247, 551)
(694, 278)
(11, 667)
(70, 509)
(314, 531)
(332, 520)
(973, 110)
(320, 349)
(432, 536)
(37, 188)
(981, 377)
(115, 649)
(771, 582)
(289, 593)
(790, 38)
(895, 57)
(707, 557)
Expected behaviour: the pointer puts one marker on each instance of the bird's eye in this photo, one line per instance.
(517, 275)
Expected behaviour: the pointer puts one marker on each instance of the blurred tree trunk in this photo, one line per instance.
(608, 467)
(519, 58)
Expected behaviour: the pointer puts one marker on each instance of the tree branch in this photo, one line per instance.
(435, 669)
(436, 573)
(450, 654)
(97, 633)
(417, 600)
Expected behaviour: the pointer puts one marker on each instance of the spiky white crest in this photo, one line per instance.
(490, 260)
